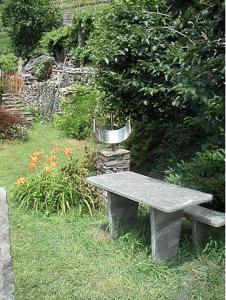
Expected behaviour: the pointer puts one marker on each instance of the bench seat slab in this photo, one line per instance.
(205, 215)
(165, 234)
(123, 214)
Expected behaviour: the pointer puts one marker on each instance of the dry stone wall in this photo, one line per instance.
(112, 161)
(45, 96)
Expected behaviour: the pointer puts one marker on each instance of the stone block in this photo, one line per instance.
(6, 276)
(112, 161)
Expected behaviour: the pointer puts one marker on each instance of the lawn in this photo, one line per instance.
(59, 257)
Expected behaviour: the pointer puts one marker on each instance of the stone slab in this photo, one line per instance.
(152, 192)
(6, 277)
(205, 215)
(117, 152)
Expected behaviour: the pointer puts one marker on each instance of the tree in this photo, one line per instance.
(164, 69)
(161, 63)
(27, 20)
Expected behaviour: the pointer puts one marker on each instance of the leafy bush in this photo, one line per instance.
(43, 68)
(78, 112)
(56, 184)
(8, 62)
(56, 42)
(67, 39)
(15, 132)
(204, 172)
(163, 67)
(27, 21)
(12, 125)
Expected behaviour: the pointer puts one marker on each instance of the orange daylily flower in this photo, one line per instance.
(47, 170)
(68, 151)
(32, 165)
(52, 159)
(20, 181)
(34, 159)
(54, 164)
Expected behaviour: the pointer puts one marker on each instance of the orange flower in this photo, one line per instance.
(20, 181)
(34, 159)
(52, 159)
(47, 170)
(32, 165)
(68, 151)
(54, 164)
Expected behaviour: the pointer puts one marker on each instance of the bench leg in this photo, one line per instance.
(123, 213)
(200, 232)
(165, 234)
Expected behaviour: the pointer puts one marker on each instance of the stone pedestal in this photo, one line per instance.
(123, 214)
(6, 277)
(112, 161)
(165, 234)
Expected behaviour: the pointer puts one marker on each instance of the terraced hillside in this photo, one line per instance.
(70, 6)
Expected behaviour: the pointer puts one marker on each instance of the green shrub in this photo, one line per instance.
(56, 184)
(56, 42)
(204, 172)
(12, 126)
(15, 132)
(43, 69)
(78, 112)
(8, 62)
(26, 21)
(163, 67)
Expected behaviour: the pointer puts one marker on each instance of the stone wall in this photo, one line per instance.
(112, 161)
(45, 96)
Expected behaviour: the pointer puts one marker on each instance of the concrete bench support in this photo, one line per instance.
(165, 234)
(200, 232)
(123, 214)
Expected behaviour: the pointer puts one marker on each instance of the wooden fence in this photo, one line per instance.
(12, 83)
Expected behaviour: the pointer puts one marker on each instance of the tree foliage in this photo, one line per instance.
(27, 21)
(164, 69)
(161, 63)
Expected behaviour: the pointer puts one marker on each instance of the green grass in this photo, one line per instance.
(59, 258)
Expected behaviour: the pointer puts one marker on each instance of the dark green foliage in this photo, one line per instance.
(204, 172)
(43, 68)
(27, 21)
(8, 62)
(56, 42)
(67, 39)
(78, 112)
(161, 63)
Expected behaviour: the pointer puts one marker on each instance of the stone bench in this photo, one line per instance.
(203, 219)
(166, 201)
